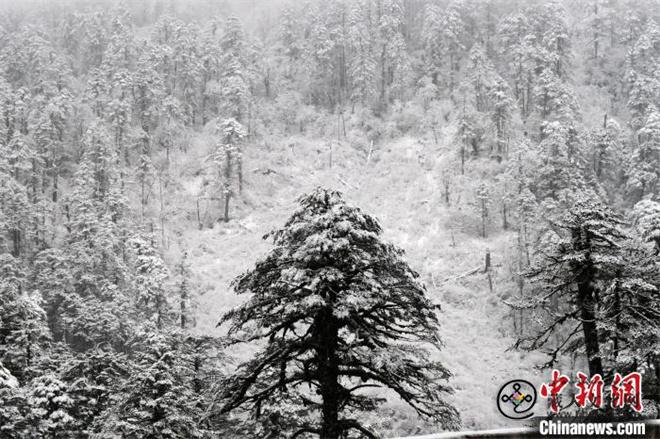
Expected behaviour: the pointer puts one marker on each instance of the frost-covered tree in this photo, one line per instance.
(289, 38)
(607, 152)
(149, 278)
(15, 208)
(517, 47)
(184, 293)
(92, 381)
(560, 173)
(362, 65)
(339, 311)
(520, 172)
(51, 408)
(644, 54)
(501, 114)
(452, 34)
(324, 38)
(144, 170)
(160, 399)
(643, 95)
(646, 215)
(170, 131)
(482, 76)
(234, 78)
(554, 40)
(390, 46)
(644, 174)
(13, 406)
(211, 66)
(571, 275)
(432, 38)
(602, 20)
(52, 276)
(482, 206)
(176, 57)
(94, 247)
(554, 100)
(147, 91)
(629, 311)
(49, 128)
(96, 95)
(23, 330)
(227, 160)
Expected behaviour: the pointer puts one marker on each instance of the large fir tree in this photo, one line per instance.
(339, 311)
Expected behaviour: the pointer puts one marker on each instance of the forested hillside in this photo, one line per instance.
(510, 148)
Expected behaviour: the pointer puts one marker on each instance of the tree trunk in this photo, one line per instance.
(586, 305)
(55, 186)
(227, 195)
(617, 324)
(520, 280)
(488, 273)
(529, 95)
(16, 240)
(505, 222)
(202, 109)
(142, 197)
(267, 83)
(328, 367)
(484, 215)
(159, 311)
(197, 382)
(239, 165)
(596, 31)
(199, 218)
(382, 79)
(182, 304)
(451, 71)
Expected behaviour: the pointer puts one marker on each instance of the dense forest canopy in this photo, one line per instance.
(134, 135)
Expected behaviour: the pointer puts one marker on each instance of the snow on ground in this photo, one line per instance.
(400, 187)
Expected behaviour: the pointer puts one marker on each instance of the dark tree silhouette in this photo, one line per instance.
(338, 311)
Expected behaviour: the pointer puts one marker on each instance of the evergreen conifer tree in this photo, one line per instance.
(339, 310)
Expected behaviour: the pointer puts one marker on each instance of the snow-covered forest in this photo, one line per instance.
(335, 219)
